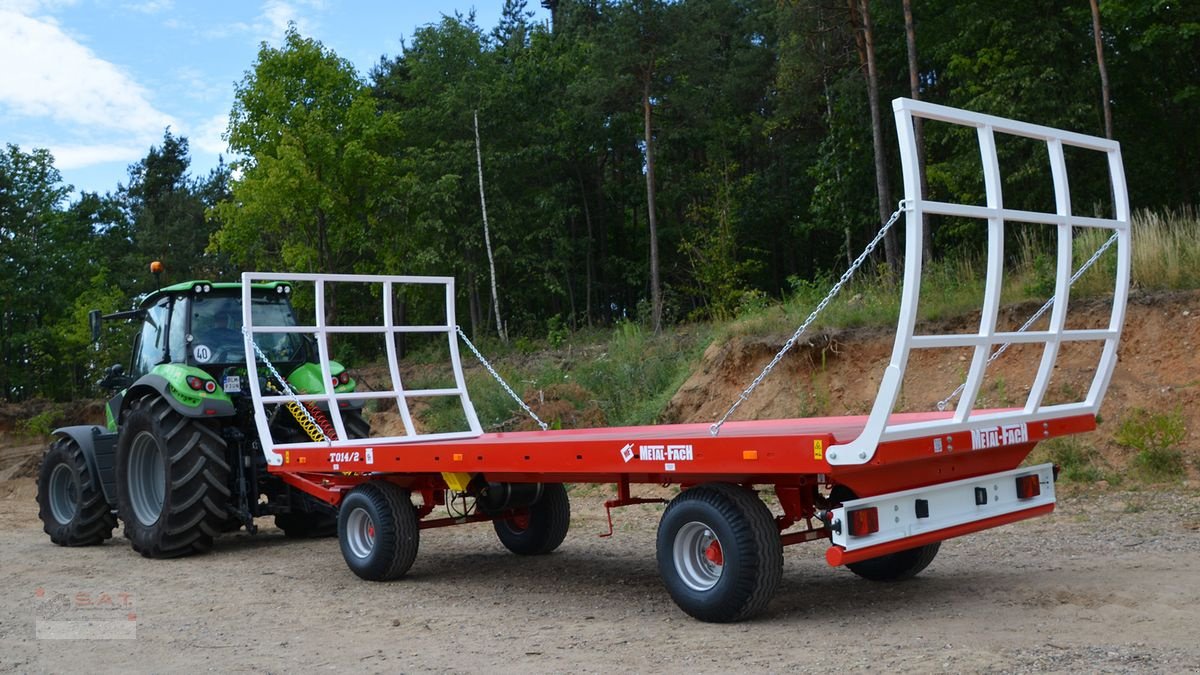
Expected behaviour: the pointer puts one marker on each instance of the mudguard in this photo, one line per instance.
(186, 402)
(99, 448)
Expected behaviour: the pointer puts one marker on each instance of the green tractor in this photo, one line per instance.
(179, 461)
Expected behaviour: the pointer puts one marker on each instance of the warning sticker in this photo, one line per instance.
(818, 449)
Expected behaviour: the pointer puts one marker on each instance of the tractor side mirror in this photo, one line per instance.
(94, 324)
(115, 378)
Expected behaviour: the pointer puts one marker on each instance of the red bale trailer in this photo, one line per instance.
(881, 490)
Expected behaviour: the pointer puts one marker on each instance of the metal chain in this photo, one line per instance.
(941, 406)
(287, 389)
(862, 257)
(499, 379)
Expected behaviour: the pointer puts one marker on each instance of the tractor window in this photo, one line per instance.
(217, 329)
(152, 345)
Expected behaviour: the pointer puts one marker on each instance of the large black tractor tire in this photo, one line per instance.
(719, 552)
(897, 566)
(172, 480)
(542, 528)
(378, 531)
(70, 501)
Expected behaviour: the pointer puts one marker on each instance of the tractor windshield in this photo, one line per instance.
(216, 329)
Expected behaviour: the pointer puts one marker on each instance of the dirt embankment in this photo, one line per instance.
(837, 373)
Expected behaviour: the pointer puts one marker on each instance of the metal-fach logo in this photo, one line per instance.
(85, 614)
(1006, 434)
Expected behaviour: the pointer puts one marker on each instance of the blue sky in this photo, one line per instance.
(97, 81)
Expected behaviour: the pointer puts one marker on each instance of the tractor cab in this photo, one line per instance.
(199, 324)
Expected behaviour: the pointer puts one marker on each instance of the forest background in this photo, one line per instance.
(645, 162)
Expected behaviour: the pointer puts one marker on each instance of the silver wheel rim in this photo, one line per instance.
(691, 556)
(360, 533)
(147, 478)
(64, 494)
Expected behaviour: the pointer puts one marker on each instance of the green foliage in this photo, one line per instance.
(1078, 462)
(41, 424)
(764, 169)
(1155, 437)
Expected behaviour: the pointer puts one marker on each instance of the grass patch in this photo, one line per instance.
(1165, 256)
(1077, 461)
(1154, 437)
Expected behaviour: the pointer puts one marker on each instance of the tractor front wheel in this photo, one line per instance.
(172, 480)
(70, 501)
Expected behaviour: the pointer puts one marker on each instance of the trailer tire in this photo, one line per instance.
(543, 528)
(172, 480)
(719, 552)
(378, 531)
(70, 501)
(896, 566)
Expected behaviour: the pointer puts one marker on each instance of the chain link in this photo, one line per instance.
(287, 389)
(787, 346)
(941, 406)
(499, 379)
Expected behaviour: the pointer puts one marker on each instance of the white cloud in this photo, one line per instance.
(150, 6)
(34, 6)
(272, 22)
(67, 157)
(61, 79)
(207, 135)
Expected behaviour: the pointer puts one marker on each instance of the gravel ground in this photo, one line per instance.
(1109, 583)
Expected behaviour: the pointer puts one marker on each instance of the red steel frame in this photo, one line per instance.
(785, 454)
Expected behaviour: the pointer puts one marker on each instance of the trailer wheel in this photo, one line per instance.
(719, 552)
(378, 531)
(542, 528)
(893, 566)
(896, 566)
(70, 502)
(172, 480)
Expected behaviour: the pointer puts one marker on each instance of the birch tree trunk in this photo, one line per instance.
(487, 236)
(655, 287)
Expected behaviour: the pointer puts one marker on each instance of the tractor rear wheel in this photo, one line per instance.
(70, 501)
(542, 527)
(719, 552)
(378, 531)
(172, 480)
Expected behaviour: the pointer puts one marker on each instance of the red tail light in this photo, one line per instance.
(863, 521)
(195, 382)
(1028, 486)
(344, 378)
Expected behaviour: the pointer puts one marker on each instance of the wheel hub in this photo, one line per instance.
(64, 494)
(698, 556)
(147, 478)
(360, 533)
